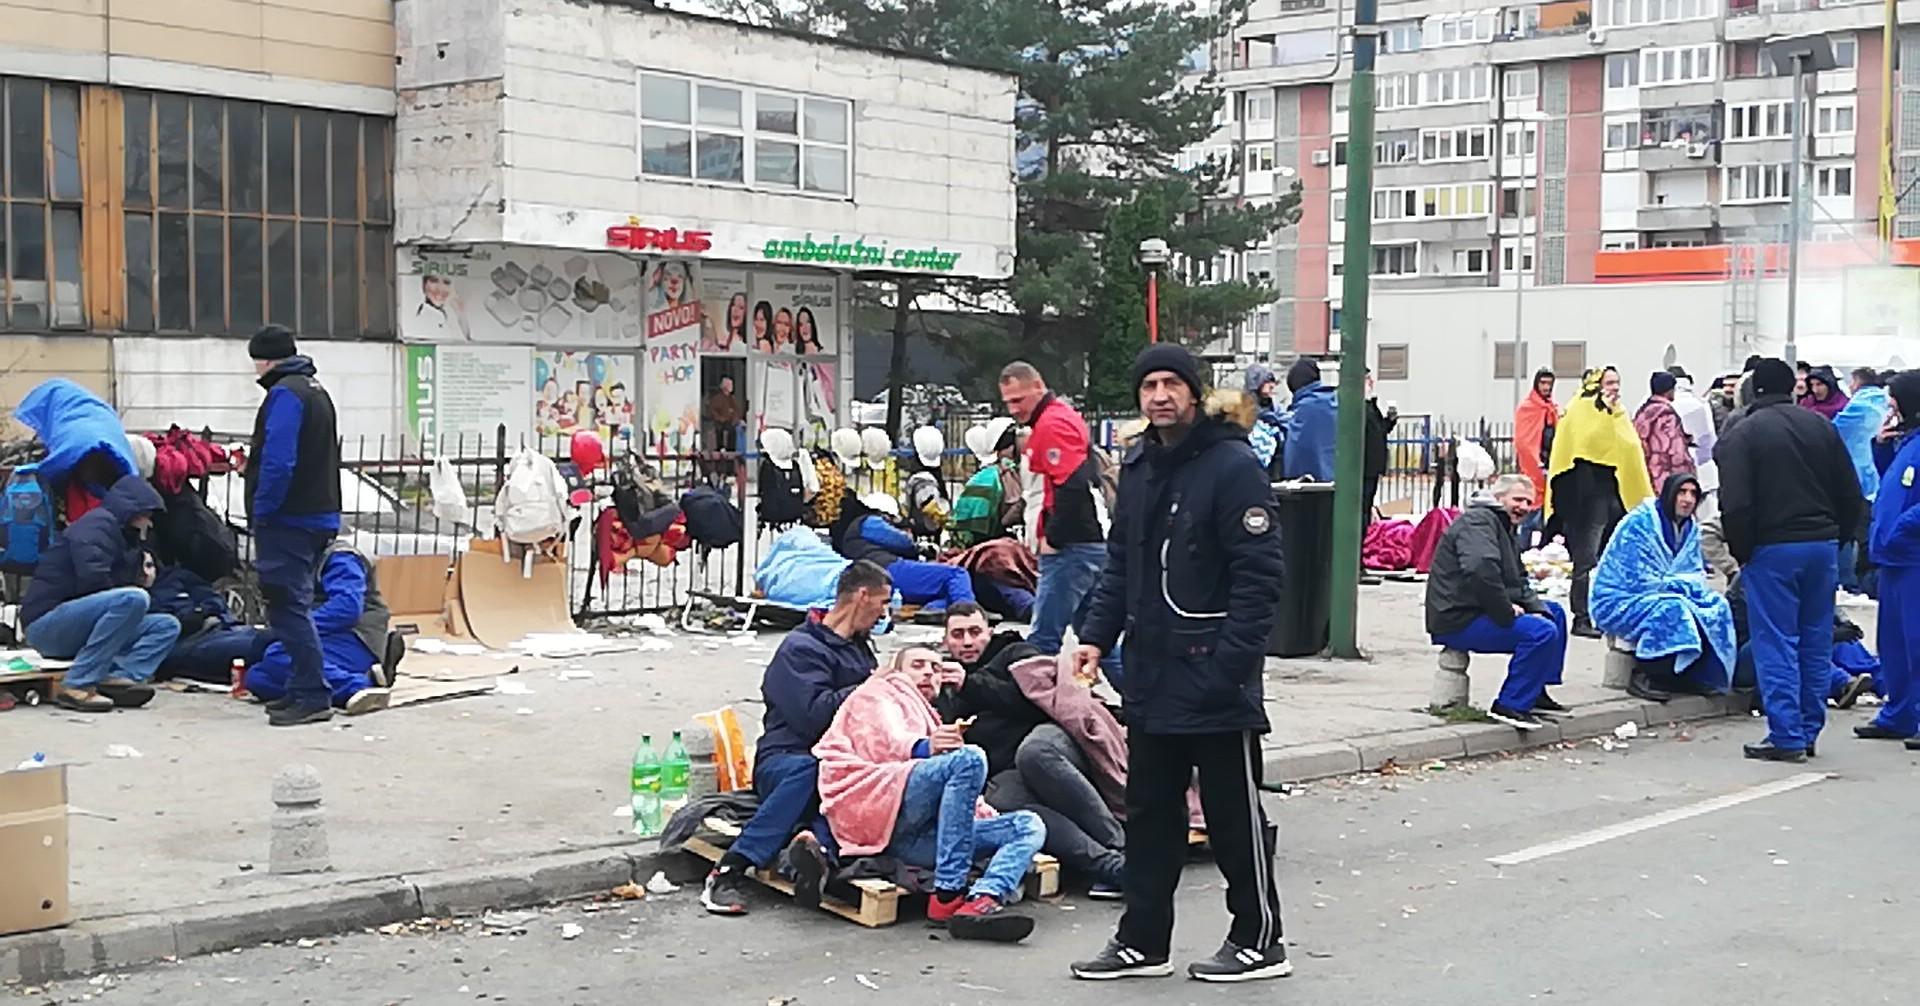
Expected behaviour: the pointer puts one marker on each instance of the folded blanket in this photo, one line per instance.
(1651, 589)
(1388, 545)
(865, 758)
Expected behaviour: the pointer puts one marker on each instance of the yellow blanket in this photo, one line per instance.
(1600, 436)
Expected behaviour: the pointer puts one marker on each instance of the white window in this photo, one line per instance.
(1432, 202)
(1457, 29)
(1506, 259)
(1260, 107)
(1833, 180)
(1516, 202)
(1834, 117)
(1462, 84)
(1676, 127)
(1679, 65)
(1464, 143)
(1621, 13)
(1519, 22)
(1397, 148)
(1622, 134)
(761, 139)
(1343, 95)
(1683, 239)
(1259, 157)
(1397, 90)
(1846, 52)
(1339, 207)
(1623, 70)
(1756, 183)
(1470, 261)
(1766, 120)
(1522, 83)
(1619, 242)
(1519, 139)
(1396, 260)
(1400, 36)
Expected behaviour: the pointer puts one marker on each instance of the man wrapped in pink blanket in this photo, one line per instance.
(894, 779)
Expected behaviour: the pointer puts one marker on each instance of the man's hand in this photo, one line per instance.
(947, 737)
(1086, 664)
(950, 675)
(1518, 611)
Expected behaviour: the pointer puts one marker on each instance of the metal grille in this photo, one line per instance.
(1553, 87)
(1553, 205)
(1286, 114)
(1283, 335)
(1553, 147)
(1553, 261)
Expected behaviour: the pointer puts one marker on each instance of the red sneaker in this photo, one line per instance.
(941, 909)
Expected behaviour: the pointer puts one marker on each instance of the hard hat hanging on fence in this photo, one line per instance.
(928, 445)
(875, 445)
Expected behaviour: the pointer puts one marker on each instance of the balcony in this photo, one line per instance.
(1744, 216)
(1560, 33)
(1679, 156)
(1748, 19)
(1666, 217)
(1430, 230)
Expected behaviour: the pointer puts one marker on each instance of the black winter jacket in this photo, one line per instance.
(95, 553)
(1785, 476)
(1005, 715)
(1477, 571)
(812, 672)
(1193, 578)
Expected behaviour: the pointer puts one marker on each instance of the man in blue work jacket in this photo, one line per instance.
(1893, 544)
(293, 505)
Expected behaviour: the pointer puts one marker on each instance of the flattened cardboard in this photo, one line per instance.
(414, 586)
(33, 850)
(502, 607)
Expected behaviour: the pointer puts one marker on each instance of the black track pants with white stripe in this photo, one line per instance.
(1159, 769)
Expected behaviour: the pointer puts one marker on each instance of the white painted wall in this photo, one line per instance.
(210, 382)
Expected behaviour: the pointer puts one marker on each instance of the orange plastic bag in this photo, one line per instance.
(732, 758)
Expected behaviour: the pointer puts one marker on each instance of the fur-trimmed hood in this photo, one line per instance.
(1234, 408)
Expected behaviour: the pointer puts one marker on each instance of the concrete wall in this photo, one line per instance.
(161, 381)
(324, 53)
(27, 360)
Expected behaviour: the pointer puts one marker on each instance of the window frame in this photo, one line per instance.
(751, 134)
(59, 212)
(1398, 366)
(1561, 366)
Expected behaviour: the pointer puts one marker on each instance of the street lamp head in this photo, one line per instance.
(1154, 253)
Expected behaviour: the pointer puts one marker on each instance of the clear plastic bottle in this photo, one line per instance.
(646, 788)
(673, 776)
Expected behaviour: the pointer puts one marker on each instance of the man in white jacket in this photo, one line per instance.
(1696, 418)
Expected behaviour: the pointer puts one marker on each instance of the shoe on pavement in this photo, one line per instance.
(1765, 751)
(1121, 961)
(1545, 705)
(1513, 718)
(1641, 686)
(1876, 732)
(809, 865)
(1240, 964)
(1913, 743)
(1850, 695)
(1583, 627)
(984, 919)
(369, 700)
(81, 700)
(388, 669)
(294, 715)
(1106, 890)
(724, 892)
(126, 693)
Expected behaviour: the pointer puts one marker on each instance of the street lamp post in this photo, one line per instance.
(1798, 56)
(1520, 270)
(1154, 255)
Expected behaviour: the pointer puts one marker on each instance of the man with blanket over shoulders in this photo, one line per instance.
(1651, 590)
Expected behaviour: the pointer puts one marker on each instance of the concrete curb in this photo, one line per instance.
(1414, 747)
(120, 942)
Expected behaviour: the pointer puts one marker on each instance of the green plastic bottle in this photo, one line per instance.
(646, 788)
(673, 776)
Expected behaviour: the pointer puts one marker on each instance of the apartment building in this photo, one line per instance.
(1534, 143)
(175, 173)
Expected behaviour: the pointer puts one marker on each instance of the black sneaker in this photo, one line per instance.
(1876, 732)
(809, 865)
(1239, 964)
(297, 715)
(1765, 751)
(388, 670)
(1546, 706)
(1121, 961)
(1849, 696)
(1583, 627)
(1513, 718)
(724, 892)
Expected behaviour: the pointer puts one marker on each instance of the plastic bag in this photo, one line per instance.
(732, 769)
(449, 496)
(1476, 465)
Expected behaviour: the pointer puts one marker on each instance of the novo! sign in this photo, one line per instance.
(633, 237)
(858, 252)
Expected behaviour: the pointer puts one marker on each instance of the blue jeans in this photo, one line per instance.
(1067, 579)
(936, 827)
(1790, 609)
(106, 635)
(789, 787)
(287, 559)
(1538, 644)
(1900, 650)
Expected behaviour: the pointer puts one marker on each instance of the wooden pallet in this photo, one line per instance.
(879, 899)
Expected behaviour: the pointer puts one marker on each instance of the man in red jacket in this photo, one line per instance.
(1070, 531)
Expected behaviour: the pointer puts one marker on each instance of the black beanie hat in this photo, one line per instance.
(271, 343)
(1772, 376)
(1169, 357)
(1905, 389)
(1661, 382)
(1302, 373)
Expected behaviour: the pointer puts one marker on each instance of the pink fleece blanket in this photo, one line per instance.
(1388, 545)
(865, 758)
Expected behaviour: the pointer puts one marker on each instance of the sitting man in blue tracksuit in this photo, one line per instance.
(863, 531)
(817, 666)
(1480, 600)
(1893, 543)
(356, 647)
(293, 508)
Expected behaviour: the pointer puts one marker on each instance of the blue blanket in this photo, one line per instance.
(73, 423)
(1651, 589)
(801, 571)
(1857, 425)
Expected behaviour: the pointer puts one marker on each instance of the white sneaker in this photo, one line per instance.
(369, 700)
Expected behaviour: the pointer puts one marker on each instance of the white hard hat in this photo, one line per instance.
(144, 455)
(845, 444)
(875, 445)
(928, 445)
(977, 442)
(880, 502)
(777, 445)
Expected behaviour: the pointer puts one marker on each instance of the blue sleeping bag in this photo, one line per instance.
(73, 422)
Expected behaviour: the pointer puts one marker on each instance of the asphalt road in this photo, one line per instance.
(1794, 895)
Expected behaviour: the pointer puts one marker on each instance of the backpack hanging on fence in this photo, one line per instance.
(712, 519)
(782, 496)
(190, 535)
(532, 504)
(27, 526)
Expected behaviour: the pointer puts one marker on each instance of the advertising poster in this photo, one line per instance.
(540, 296)
(672, 396)
(819, 396)
(771, 387)
(583, 391)
(726, 310)
(795, 314)
(454, 392)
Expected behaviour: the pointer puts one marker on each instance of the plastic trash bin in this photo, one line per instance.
(1306, 534)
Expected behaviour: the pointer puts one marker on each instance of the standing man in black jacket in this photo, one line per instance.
(1193, 578)
(1788, 497)
(1374, 462)
(293, 505)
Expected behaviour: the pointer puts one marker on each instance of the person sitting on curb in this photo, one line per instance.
(1480, 600)
(1650, 589)
(810, 676)
(360, 651)
(894, 779)
(88, 603)
(1033, 763)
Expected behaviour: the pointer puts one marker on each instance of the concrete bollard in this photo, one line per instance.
(1617, 669)
(299, 843)
(1451, 686)
(703, 775)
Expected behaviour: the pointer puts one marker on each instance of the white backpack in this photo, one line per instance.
(532, 505)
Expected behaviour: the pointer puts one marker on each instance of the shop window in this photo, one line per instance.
(727, 135)
(1391, 363)
(239, 214)
(40, 280)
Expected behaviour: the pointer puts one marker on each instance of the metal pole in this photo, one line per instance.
(1519, 287)
(1153, 304)
(1797, 124)
(1344, 578)
(1889, 202)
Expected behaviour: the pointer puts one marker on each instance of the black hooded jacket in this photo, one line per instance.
(1004, 714)
(1785, 477)
(95, 553)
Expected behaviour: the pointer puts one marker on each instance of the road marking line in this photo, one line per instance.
(1665, 817)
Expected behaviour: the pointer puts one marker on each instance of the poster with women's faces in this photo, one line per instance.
(728, 311)
(794, 314)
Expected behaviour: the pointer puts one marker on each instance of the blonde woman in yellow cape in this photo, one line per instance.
(1596, 474)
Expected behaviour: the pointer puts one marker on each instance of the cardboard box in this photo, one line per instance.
(33, 850)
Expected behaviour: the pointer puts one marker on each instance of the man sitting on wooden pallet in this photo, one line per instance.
(817, 666)
(894, 779)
